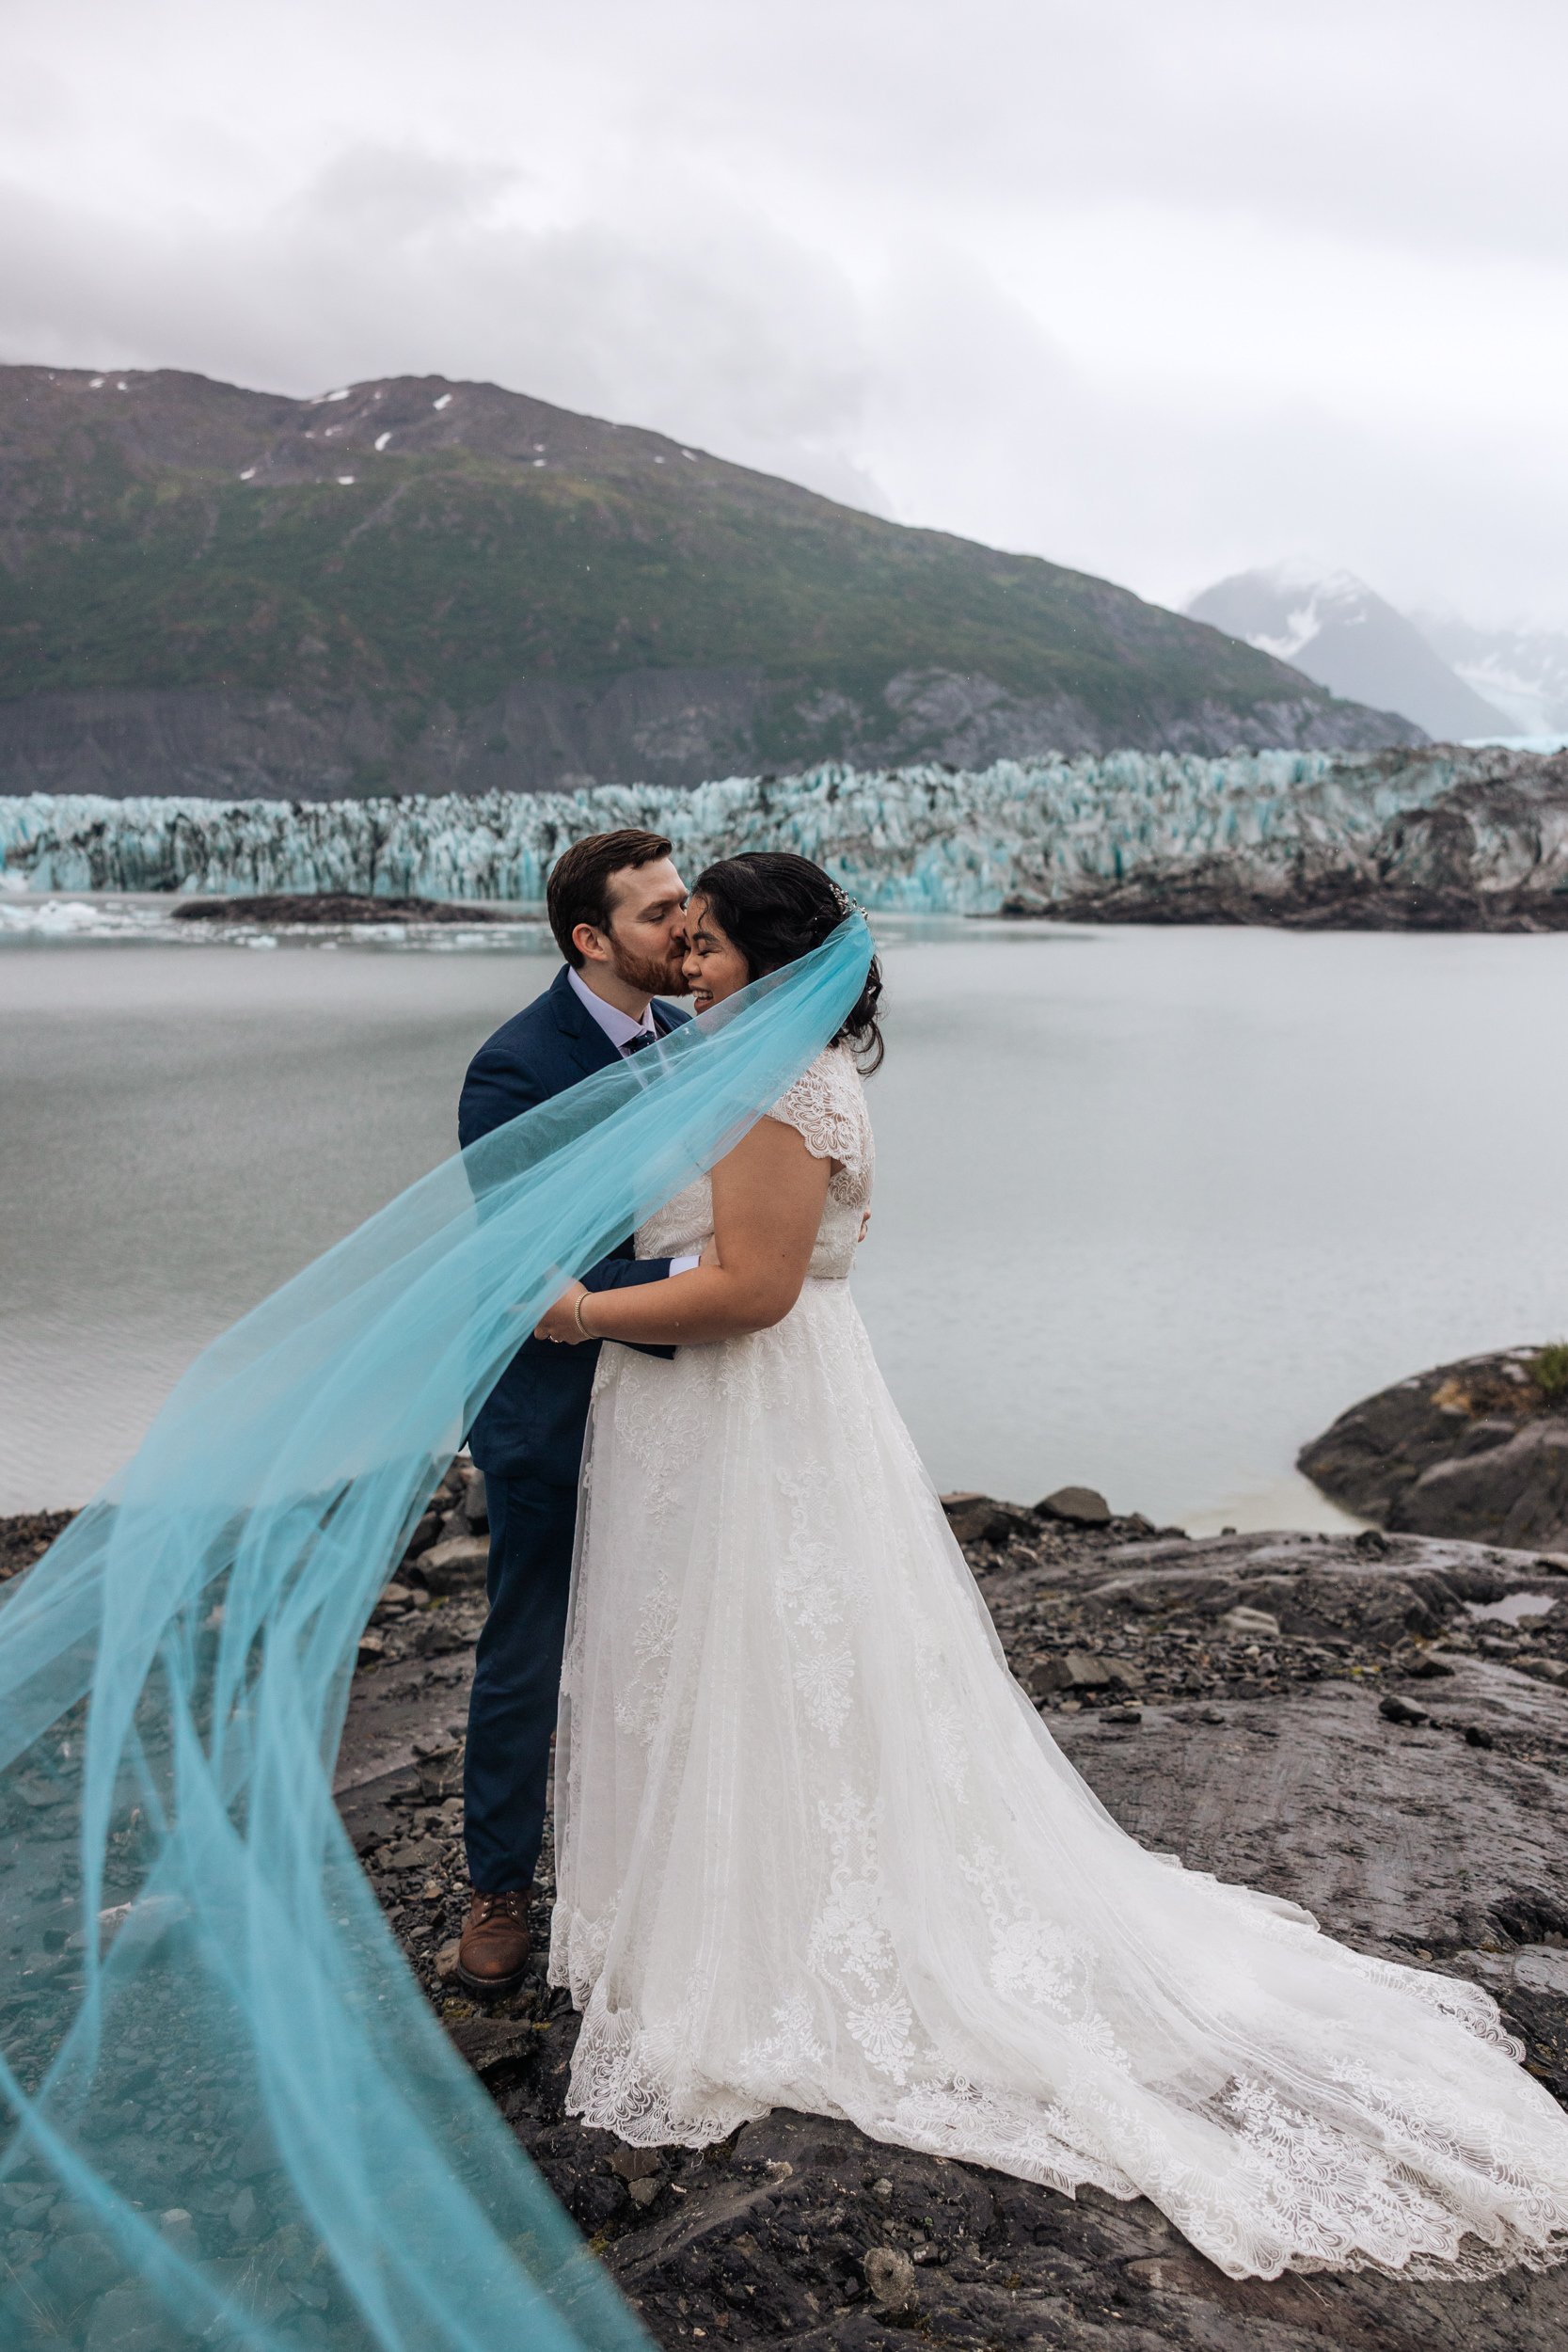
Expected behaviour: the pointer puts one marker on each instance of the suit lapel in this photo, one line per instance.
(581, 1034)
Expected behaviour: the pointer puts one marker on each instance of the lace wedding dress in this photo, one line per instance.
(817, 1850)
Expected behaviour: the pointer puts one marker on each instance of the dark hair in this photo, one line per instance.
(578, 887)
(776, 907)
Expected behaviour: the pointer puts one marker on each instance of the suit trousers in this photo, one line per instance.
(516, 1686)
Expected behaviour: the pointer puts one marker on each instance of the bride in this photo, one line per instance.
(815, 1847)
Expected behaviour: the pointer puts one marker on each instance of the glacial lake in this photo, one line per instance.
(1152, 1206)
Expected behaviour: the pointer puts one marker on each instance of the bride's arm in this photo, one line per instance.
(769, 1195)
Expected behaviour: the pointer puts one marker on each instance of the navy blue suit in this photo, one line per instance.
(527, 1440)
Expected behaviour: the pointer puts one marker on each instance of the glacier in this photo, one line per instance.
(1048, 833)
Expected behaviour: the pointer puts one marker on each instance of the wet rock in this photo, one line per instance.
(1080, 1671)
(501, 2050)
(129, 2318)
(439, 1767)
(891, 2277)
(1477, 1449)
(26, 1536)
(1398, 1710)
(1079, 1505)
(455, 1563)
(411, 1854)
(82, 2263)
(425, 1535)
(1251, 1623)
(977, 1518)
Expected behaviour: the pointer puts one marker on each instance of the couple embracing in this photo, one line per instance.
(815, 1847)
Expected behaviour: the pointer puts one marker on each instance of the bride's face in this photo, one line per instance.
(714, 968)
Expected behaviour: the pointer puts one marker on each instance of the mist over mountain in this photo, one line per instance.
(1521, 672)
(419, 585)
(1334, 627)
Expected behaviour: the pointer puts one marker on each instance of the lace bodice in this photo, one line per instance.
(825, 1106)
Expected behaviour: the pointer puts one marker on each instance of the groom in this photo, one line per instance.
(617, 907)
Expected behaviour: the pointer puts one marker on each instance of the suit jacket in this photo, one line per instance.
(531, 1425)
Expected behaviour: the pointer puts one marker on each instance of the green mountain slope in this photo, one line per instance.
(419, 584)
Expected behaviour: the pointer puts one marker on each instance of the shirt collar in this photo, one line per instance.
(618, 1026)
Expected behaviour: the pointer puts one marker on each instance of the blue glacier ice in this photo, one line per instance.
(915, 839)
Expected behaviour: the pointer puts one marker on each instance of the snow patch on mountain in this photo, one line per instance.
(1336, 630)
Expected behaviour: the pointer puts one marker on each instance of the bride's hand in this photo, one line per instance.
(561, 1321)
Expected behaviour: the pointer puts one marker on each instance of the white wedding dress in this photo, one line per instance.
(815, 1849)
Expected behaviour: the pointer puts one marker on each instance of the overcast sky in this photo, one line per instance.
(1159, 287)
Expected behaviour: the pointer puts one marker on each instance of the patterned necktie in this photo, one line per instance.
(635, 1045)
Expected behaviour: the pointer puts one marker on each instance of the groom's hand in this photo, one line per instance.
(561, 1321)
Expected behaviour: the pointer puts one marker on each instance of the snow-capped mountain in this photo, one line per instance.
(1522, 672)
(1335, 629)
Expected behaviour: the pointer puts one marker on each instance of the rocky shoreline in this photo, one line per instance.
(1478, 1449)
(1374, 1726)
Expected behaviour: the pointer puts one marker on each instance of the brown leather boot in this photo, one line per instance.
(494, 1948)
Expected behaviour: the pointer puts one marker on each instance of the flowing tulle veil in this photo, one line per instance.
(228, 2114)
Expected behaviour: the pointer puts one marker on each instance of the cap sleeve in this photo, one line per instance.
(827, 1110)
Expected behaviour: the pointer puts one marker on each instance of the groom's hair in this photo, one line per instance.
(578, 887)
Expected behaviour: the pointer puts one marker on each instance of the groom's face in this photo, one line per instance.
(646, 939)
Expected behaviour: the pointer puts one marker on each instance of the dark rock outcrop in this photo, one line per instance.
(1476, 1449)
(1488, 853)
(283, 909)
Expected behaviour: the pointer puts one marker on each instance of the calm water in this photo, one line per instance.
(1152, 1206)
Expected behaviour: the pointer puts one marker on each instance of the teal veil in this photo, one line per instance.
(228, 2116)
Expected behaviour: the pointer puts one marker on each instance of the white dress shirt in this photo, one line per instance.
(621, 1028)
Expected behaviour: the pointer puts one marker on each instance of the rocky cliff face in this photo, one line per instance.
(419, 586)
(672, 727)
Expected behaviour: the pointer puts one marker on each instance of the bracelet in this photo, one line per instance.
(577, 1316)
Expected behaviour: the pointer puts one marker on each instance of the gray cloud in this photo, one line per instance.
(1157, 292)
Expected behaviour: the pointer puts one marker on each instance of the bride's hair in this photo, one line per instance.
(776, 907)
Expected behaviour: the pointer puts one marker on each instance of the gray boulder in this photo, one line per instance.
(1079, 1505)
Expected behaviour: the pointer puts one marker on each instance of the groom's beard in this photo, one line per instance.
(656, 976)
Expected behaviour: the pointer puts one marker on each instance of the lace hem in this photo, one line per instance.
(1319, 2196)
